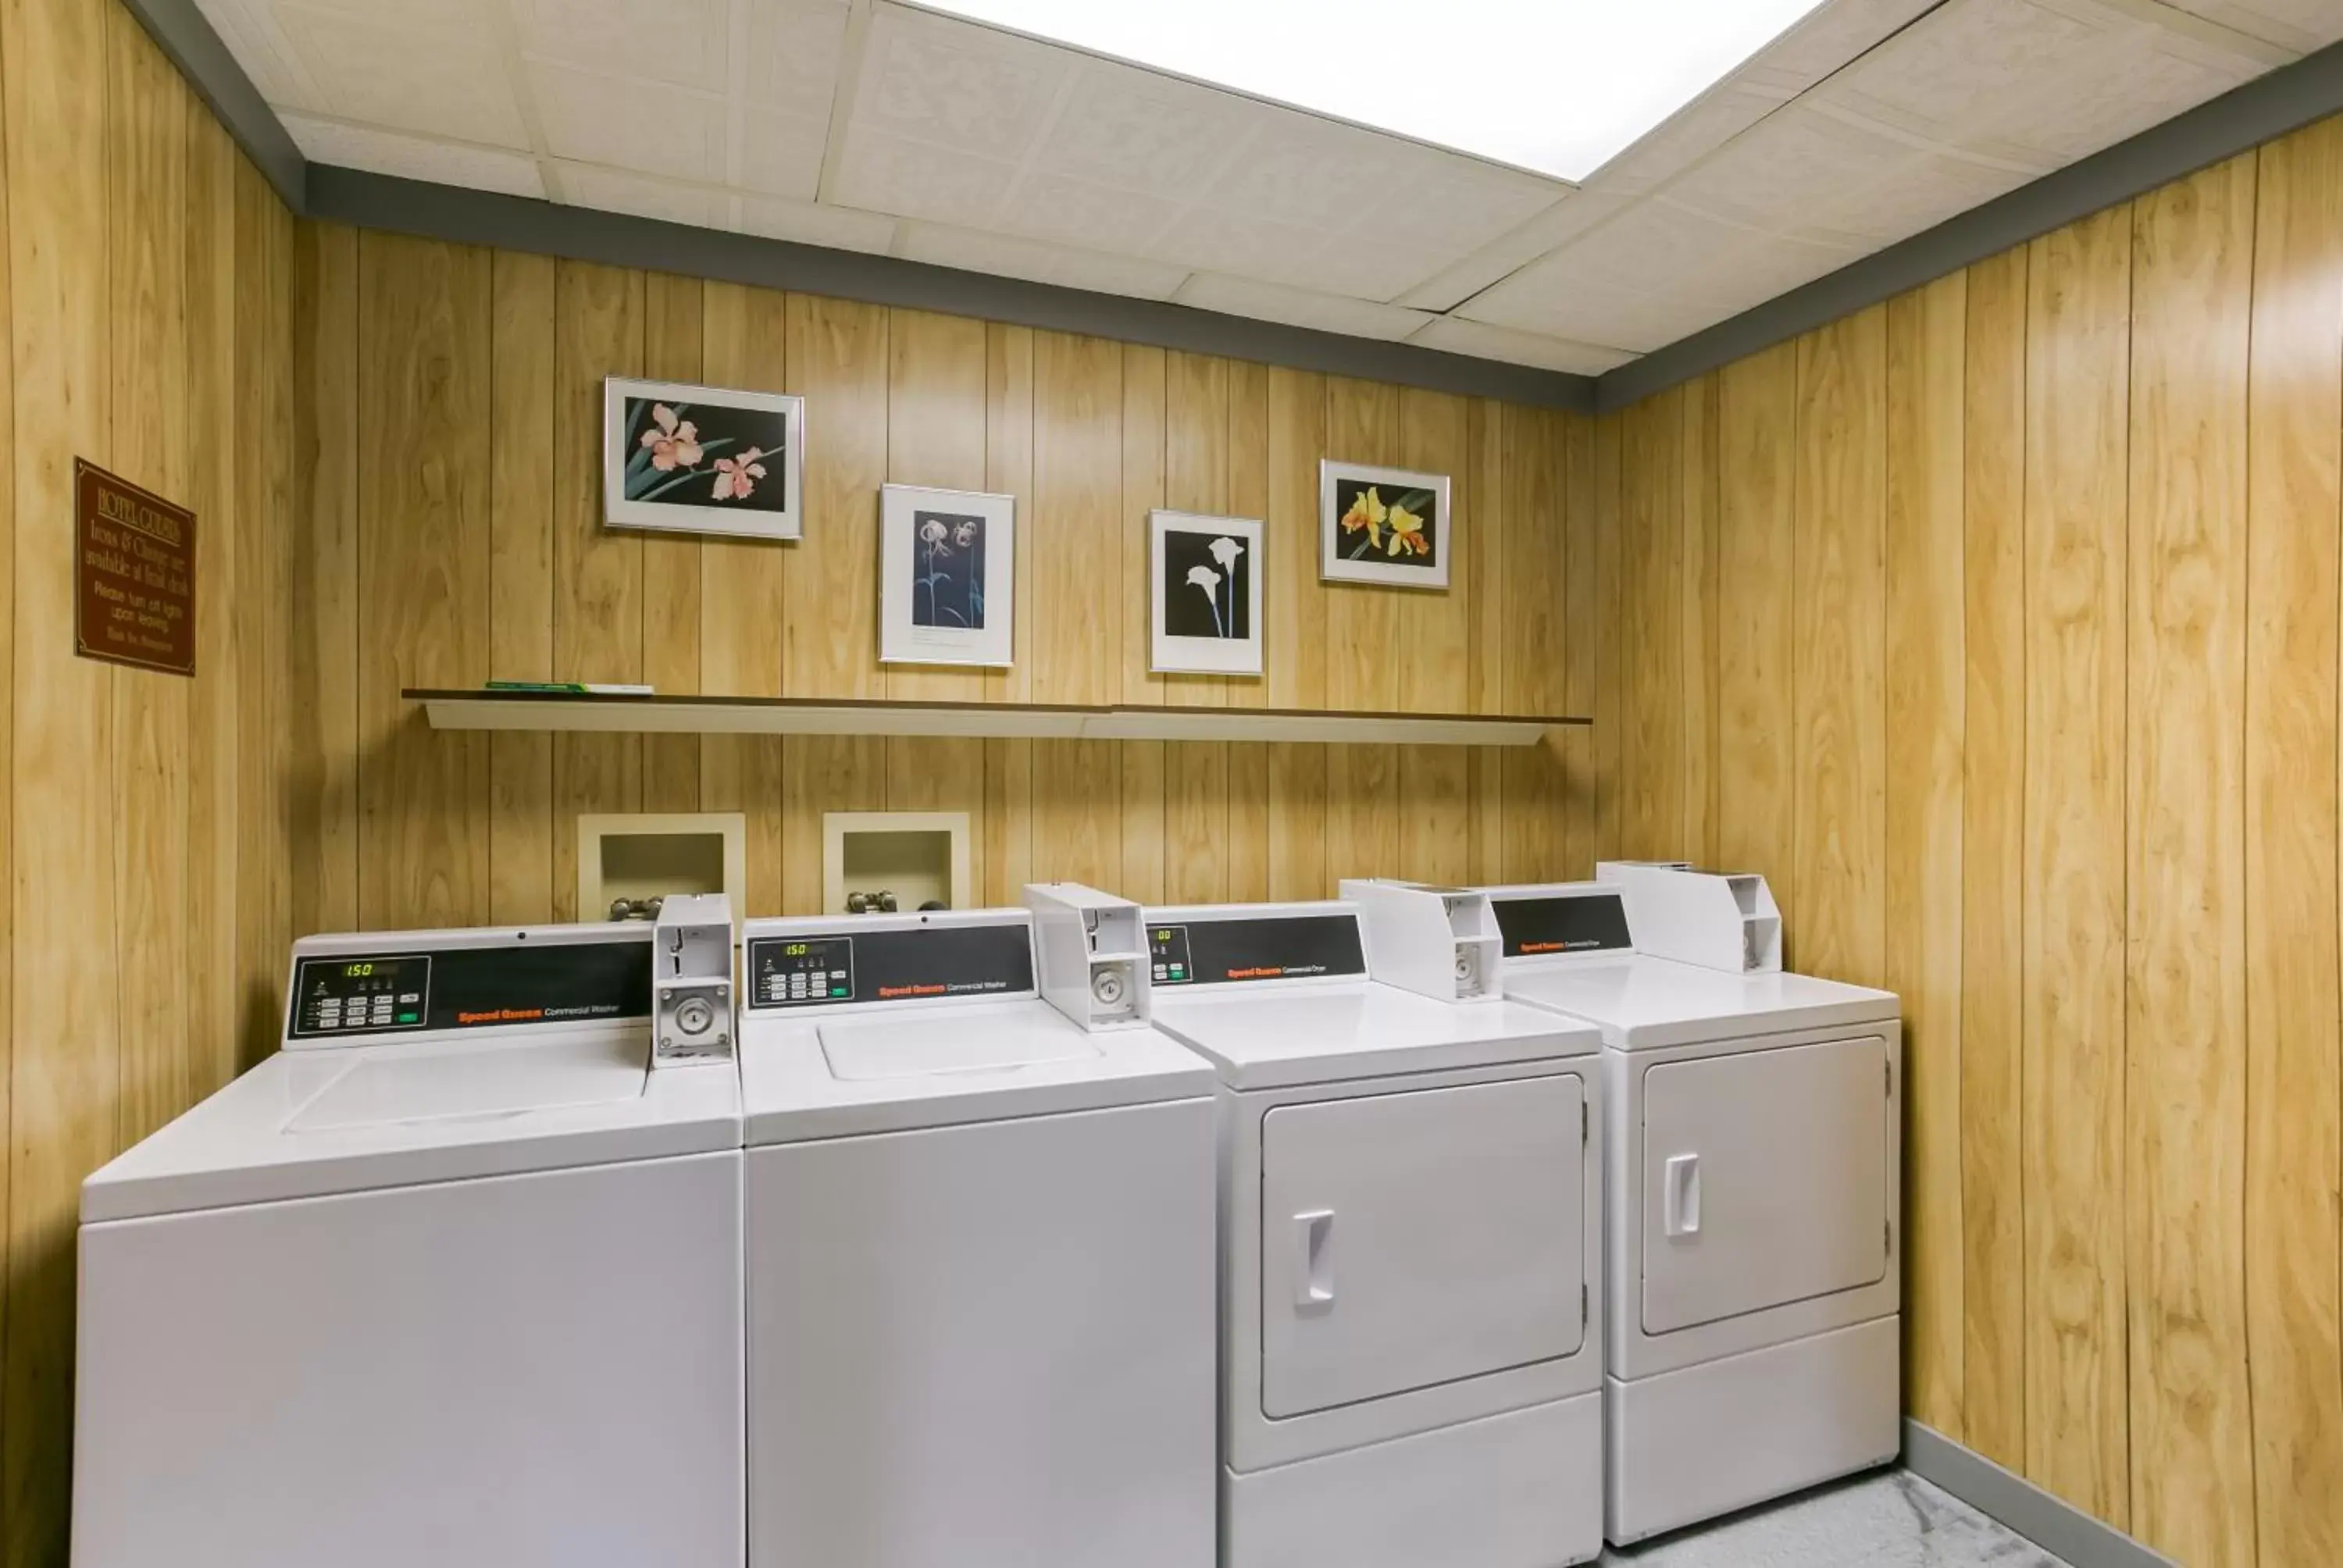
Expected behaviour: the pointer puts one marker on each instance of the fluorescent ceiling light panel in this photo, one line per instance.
(1560, 86)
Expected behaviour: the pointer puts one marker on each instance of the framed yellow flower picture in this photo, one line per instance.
(1383, 526)
(701, 459)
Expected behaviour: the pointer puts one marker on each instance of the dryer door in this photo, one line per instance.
(1415, 1239)
(1766, 1180)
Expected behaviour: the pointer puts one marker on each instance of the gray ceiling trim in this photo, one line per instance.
(586, 233)
(187, 40)
(2286, 99)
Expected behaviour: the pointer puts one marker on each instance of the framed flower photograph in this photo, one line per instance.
(1383, 526)
(1206, 574)
(947, 577)
(702, 460)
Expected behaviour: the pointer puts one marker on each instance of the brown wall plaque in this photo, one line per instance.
(136, 551)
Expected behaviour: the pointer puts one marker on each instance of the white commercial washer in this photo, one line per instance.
(1409, 1361)
(453, 1278)
(1752, 1252)
(979, 1249)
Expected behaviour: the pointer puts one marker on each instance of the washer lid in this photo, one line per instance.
(945, 1064)
(1265, 1037)
(866, 1051)
(1642, 1003)
(307, 1123)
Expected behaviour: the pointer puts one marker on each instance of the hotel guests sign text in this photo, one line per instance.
(135, 572)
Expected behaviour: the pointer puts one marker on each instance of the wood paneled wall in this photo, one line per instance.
(1998, 626)
(449, 411)
(145, 310)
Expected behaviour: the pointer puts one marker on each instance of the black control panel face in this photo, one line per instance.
(916, 963)
(1584, 924)
(1264, 948)
(471, 988)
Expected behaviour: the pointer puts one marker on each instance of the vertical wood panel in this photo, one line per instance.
(64, 1034)
(1583, 611)
(1249, 492)
(1535, 485)
(1008, 471)
(598, 573)
(2293, 1068)
(1993, 811)
(1610, 643)
(1757, 510)
(424, 328)
(1432, 652)
(1696, 837)
(2192, 1485)
(1926, 672)
(2077, 1433)
(1194, 445)
(1074, 527)
(1838, 814)
(522, 827)
(1652, 608)
(1295, 651)
(216, 801)
(147, 157)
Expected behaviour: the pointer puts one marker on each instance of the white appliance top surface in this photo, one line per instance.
(310, 1123)
(1644, 1003)
(830, 1074)
(1266, 1037)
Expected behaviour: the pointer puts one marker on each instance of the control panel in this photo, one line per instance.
(1594, 920)
(919, 962)
(494, 980)
(1247, 948)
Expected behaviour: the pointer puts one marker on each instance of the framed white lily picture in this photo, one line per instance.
(1383, 526)
(947, 577)
(1207, 575)
(701, 459)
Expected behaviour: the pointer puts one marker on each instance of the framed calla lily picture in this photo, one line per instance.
(1383, 526)
(701, 459)
(1207, 575)
(947, 577)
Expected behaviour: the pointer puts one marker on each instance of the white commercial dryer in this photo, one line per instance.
(979, 1247)
(1410, 1362)
(454, 1277)
(1753, 1255)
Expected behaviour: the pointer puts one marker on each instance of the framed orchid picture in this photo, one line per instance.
(947, 577)
(702, 460)
(1383, 526)
(1206, 574)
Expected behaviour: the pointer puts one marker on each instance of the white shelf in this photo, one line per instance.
(628, 715)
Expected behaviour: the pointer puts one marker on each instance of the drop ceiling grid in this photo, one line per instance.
(883, 127)
(1889, 145)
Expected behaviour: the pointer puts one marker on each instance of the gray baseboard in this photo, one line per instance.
(2055, 1525)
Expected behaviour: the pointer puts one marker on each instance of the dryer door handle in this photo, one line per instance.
(1680, 1195)
(1313, 1261)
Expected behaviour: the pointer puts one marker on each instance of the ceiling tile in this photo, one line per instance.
(1454, 334)
(1139, 131)
(2040, 81)
(2301, 26)
(1247, 246)
(681, 43)
(409, 74)
(1624, 319)
(781, 152)
(1067, 211)
(912, 179)
(249, 29)
(807, 223)
(954, 84)
(669, 201)
(415, 157)
(1011, 258)
(796, 50)
(641, 126)
(1805, 173)
(1299, 307)
(1557, 225)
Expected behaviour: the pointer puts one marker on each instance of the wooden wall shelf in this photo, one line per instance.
(635, 715)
